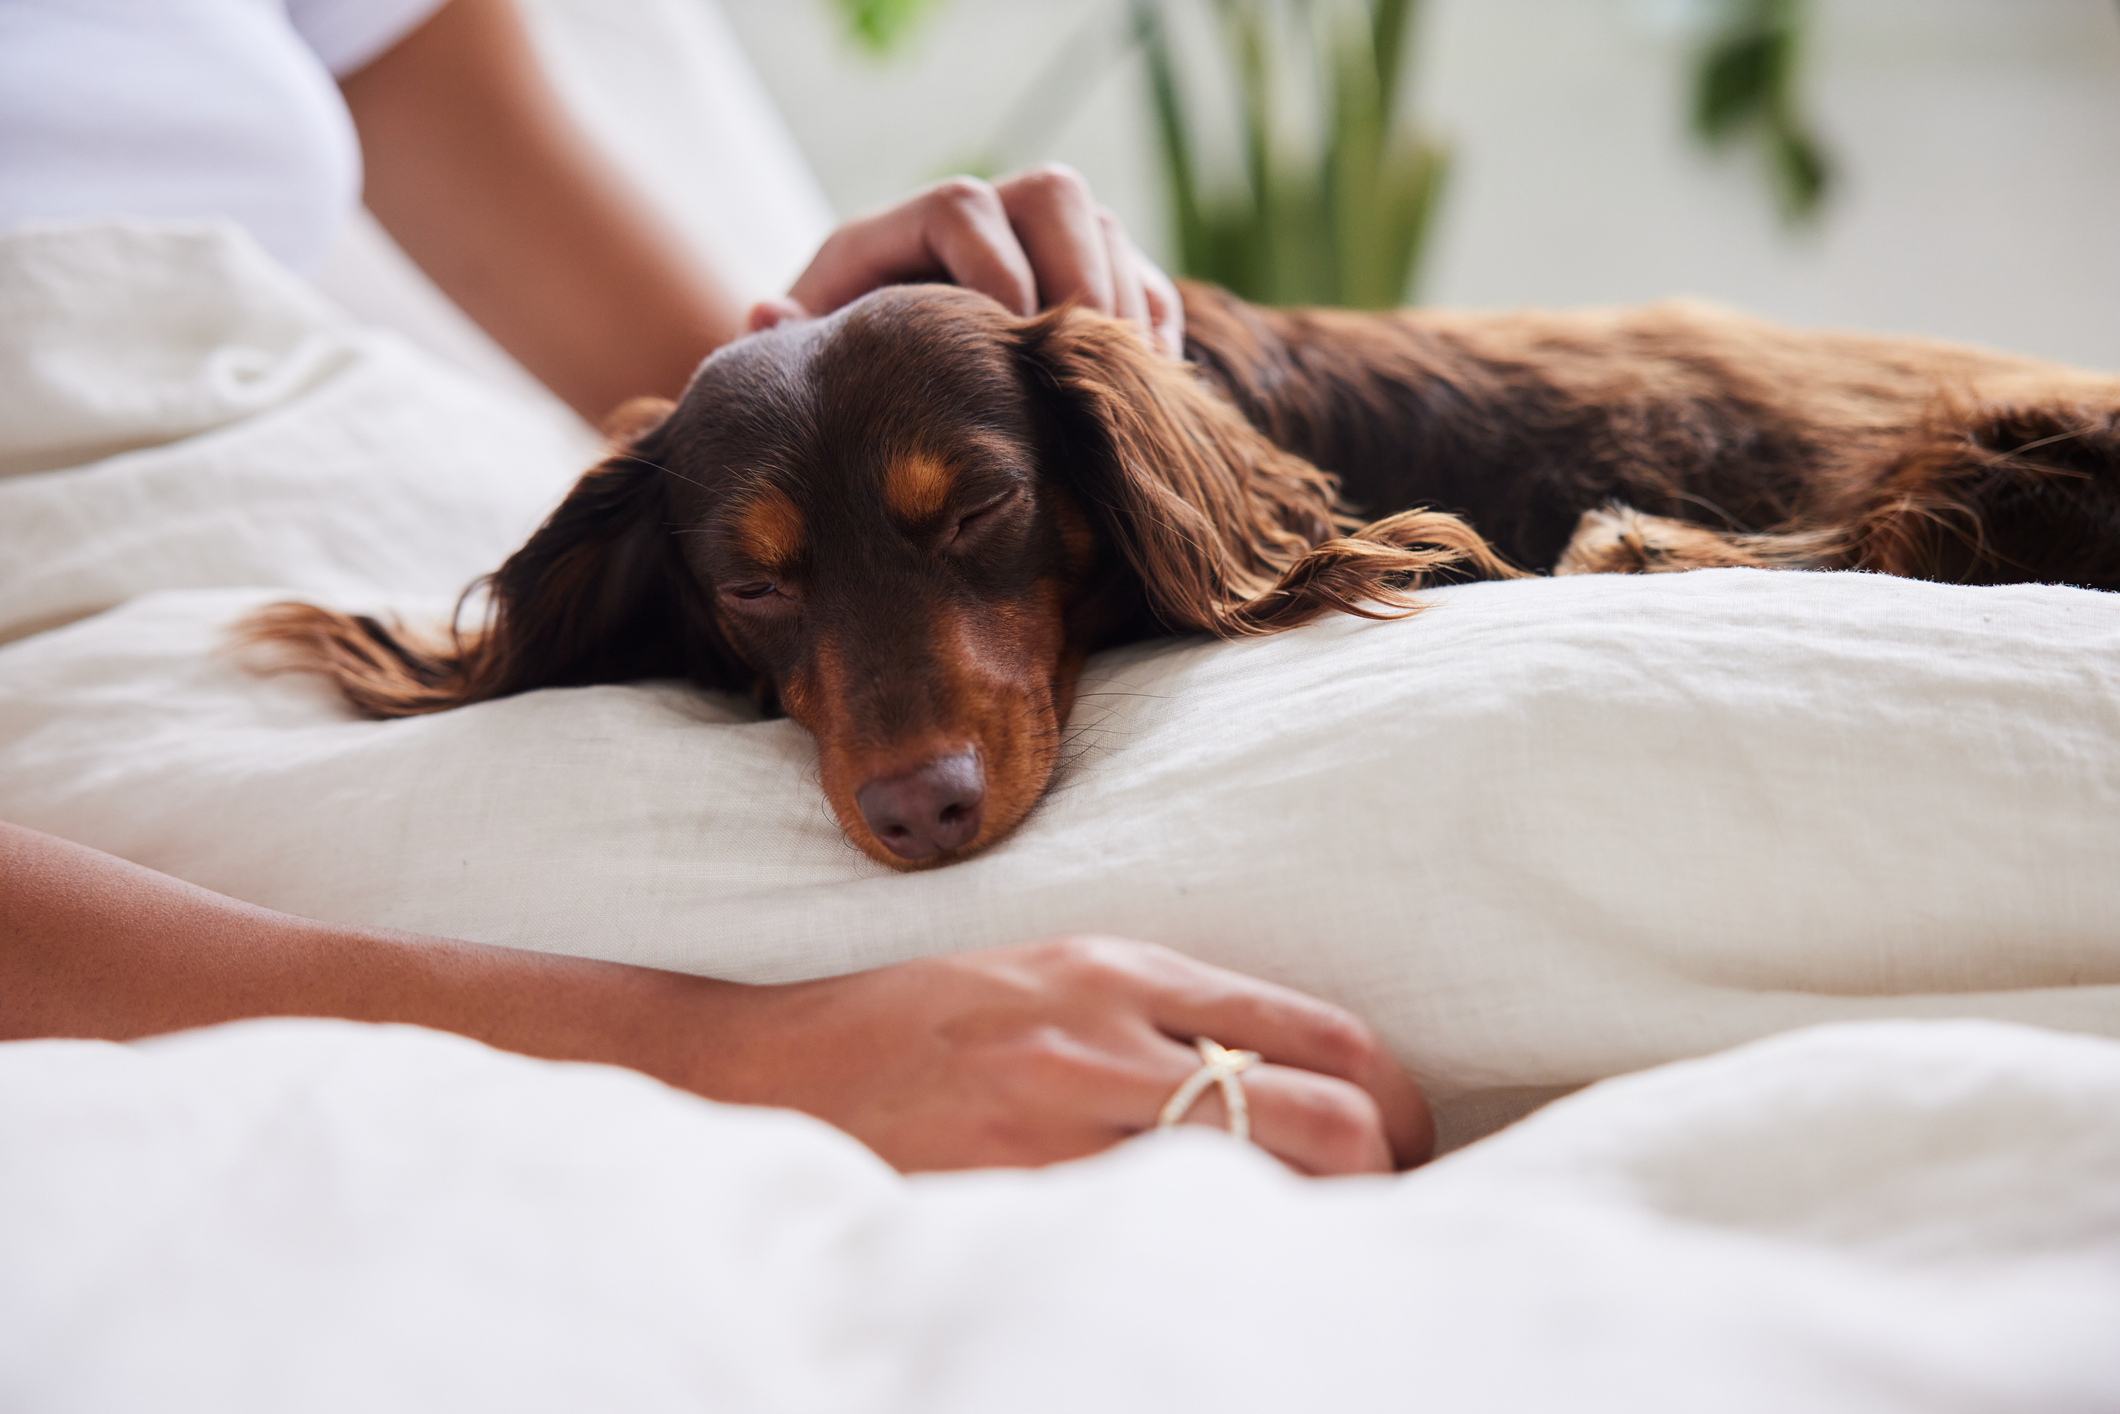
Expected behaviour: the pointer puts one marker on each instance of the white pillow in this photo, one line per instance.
(1541, 833)
(1544, 832)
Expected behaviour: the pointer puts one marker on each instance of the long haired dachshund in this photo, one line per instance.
(907, 525)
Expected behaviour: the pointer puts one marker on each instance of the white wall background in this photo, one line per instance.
(1978, 145)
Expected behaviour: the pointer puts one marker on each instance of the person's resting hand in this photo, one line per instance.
(1048, 1051)
(1031, 241)
(1009, 1056)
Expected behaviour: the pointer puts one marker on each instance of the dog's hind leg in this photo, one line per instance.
(1617, 539)
(2011, 496)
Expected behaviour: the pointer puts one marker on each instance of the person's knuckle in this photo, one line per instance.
(1342, 1042)
(963, 196)
(1064, 959)
(1099, 961)
(1055, 183)
(1046, 1051)
(1339, 1124)
(1036, 1066)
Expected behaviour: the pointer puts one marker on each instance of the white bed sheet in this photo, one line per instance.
(320, 1216)
(1541, 834)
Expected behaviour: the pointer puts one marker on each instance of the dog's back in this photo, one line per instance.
(1848, 451)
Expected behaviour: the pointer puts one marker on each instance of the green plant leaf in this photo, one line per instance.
(879, 25)
(1339, 220)
(1744, 89)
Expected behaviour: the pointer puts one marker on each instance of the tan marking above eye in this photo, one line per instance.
(769, 529)
(917, 486)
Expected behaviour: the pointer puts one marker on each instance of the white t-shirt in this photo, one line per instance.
(189, 108)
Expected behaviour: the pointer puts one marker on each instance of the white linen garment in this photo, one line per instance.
(189, 108)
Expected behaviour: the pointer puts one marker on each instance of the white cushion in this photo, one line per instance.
(315, 1215)
(1543, 832)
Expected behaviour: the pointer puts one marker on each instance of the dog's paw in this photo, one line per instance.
(1618, 539)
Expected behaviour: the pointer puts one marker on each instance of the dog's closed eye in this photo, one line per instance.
(760, 596)
(982, 518)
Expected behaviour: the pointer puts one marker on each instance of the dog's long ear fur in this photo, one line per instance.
(1228, 534)
(598, 594)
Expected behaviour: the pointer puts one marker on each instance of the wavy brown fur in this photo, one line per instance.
(597, 595)
(1228, 533)
(382, 670)
(1914, 457)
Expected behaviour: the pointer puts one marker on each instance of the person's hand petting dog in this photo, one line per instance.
(1030, 242)
(479, 172)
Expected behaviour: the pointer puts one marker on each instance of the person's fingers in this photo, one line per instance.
(1166, 309)
(1129, 293)
(1058, 224)
(1037, 240)
(1145, 293)
(1316, 1124)
(770, 313)
(1289, 1028)
(969, 231)
(956, 230)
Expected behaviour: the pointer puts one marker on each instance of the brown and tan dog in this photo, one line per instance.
(908, 524)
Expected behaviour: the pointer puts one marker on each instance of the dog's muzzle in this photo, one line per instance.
(929, 810)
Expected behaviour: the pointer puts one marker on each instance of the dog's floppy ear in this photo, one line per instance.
(598, 594)
(1229, 534)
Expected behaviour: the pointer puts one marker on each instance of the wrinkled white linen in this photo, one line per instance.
(322, 1216)
(1542, 833)
(176, 409)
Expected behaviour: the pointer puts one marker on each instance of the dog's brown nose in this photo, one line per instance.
(928, 810)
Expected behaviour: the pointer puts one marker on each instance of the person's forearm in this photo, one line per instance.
(1016, 1055)
(478, 172)
(93, 946)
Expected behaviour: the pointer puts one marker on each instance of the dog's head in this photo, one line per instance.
(906, 525)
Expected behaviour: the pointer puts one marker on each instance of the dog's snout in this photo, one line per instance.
(929, 810)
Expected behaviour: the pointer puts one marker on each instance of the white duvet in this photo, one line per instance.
(1541, 834)
(319, 1216)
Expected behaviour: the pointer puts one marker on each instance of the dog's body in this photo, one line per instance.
(1845, 451)
(909, 523)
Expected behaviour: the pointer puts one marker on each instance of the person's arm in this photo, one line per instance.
(1019, 1055)
(485, 180)
(478, 171)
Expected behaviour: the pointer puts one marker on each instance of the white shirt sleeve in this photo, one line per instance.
(346, 34)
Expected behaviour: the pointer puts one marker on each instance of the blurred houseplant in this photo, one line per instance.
(1331, 192)
(1330, 206)
(1331, 195)
(1744, 88)
(877, 25)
